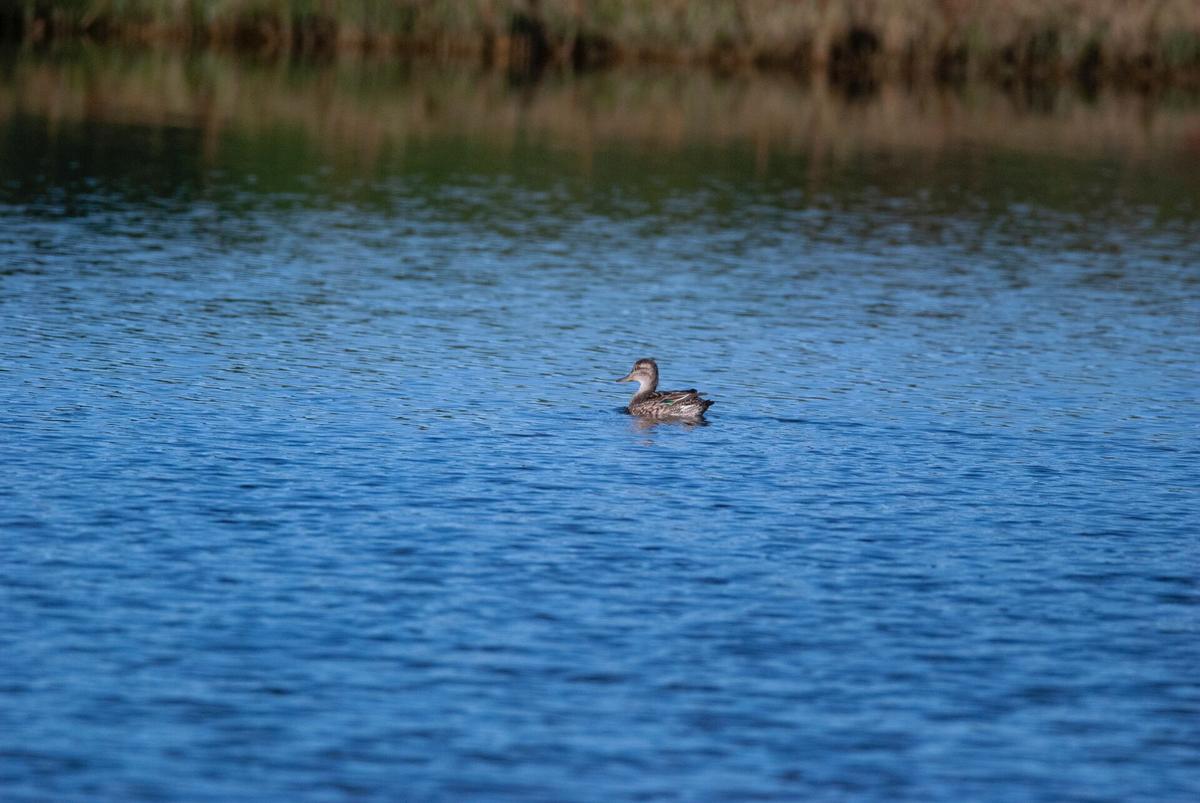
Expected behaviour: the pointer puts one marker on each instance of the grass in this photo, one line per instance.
(854, 39)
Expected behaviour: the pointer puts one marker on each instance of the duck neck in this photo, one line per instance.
(645, 388)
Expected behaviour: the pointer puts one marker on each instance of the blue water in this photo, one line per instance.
(323, 491)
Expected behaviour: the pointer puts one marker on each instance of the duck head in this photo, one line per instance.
(645, 373)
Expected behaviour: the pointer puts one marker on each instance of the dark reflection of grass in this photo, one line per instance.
(848, 39)
(360, 109)
(164, 122)
(62, 166)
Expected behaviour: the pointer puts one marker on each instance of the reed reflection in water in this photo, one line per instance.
(358, 109)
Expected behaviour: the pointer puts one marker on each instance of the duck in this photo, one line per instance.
(651, 403)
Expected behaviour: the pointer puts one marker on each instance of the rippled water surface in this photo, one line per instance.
(316, 485)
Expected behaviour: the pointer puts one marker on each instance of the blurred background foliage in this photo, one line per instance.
(1127, 40)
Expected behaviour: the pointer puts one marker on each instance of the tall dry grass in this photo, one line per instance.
(1140, 39)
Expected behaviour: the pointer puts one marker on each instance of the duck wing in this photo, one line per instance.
(687, 401)
(677, 396)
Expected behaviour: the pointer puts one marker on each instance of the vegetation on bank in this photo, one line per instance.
(1143, 40)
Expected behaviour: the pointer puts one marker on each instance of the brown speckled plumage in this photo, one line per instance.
(651, 403)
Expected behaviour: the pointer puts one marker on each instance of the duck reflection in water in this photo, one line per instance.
(643, 424)
(653, 405)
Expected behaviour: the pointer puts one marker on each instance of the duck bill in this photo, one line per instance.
(627, 378)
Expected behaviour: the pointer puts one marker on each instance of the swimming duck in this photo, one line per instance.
(661, 404)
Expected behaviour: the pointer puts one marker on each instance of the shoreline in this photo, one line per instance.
(1139, 42)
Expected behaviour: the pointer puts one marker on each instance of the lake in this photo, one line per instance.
(317, 485)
